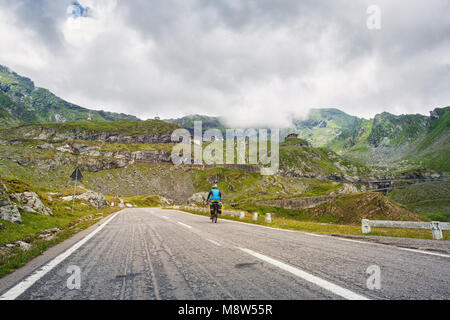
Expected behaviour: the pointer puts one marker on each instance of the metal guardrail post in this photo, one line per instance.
(435, 226)
(365, 226)
(436, 230)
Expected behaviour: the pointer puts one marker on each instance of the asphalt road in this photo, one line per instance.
(166, 254)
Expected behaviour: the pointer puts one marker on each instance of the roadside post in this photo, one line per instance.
(76, 176)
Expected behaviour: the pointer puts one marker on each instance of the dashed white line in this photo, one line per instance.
(164, 217)
(24, 285)
(342, 292)
(184, 225)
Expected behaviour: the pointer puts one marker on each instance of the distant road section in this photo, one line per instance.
(167, 254)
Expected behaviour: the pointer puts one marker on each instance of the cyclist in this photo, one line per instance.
(215, 196)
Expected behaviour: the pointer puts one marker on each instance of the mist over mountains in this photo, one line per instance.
(414, 139)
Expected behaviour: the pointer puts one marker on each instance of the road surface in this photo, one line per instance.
(167, 254)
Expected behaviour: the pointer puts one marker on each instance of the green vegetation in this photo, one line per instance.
(329, 228)
(323, 125)
(33, 224)
(82, 218)
(207, 122)
(430, 199)
(21, 103)
(124, 127)
(143, 201)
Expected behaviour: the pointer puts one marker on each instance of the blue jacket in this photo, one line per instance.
(215, 195)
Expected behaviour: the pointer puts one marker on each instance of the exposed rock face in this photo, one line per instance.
(347, 188)
(97, 164)
(165, 200)
(8, 209)
(49, 234)
(31, 201)
(199, 197)
(23, 245)
(54, 135)
(97, 200)
(10, 213)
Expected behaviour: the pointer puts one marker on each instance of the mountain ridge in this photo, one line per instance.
(21, 102)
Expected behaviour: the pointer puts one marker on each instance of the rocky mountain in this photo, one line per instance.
(323, 125)
(406, 142)
(123, 131)
(207, 122)
(22, 103)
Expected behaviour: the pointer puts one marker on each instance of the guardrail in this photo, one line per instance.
(238, 214)
(436, 227)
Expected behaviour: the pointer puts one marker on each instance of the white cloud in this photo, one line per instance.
(251, 62)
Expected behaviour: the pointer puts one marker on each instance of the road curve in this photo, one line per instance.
(153, 253)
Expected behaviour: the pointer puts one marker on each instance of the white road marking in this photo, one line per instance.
(214, 242)
(164, 217)
(24, 285)
(184, 225)
(331, 237)
(399, 248)
(425, 252)
(342, 292)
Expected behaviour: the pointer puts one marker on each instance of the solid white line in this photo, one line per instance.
(24, 285)
(214, 242)
(167, 218)
(342, 292)
(330, 237)
(425, 252)
(184, 225)
(393, 246)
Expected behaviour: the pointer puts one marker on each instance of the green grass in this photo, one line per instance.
(34, 224)
(429, 199)
(143, 201)
(125, 127)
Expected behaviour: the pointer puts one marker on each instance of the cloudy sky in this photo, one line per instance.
(253, 62)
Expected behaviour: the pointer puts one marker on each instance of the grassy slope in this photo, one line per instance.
(70, 223)
(38, 105)
(429, 141)
(434, 151)
(431, 199)
(125, 127)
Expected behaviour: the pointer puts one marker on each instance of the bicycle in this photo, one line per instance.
(215, 208)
